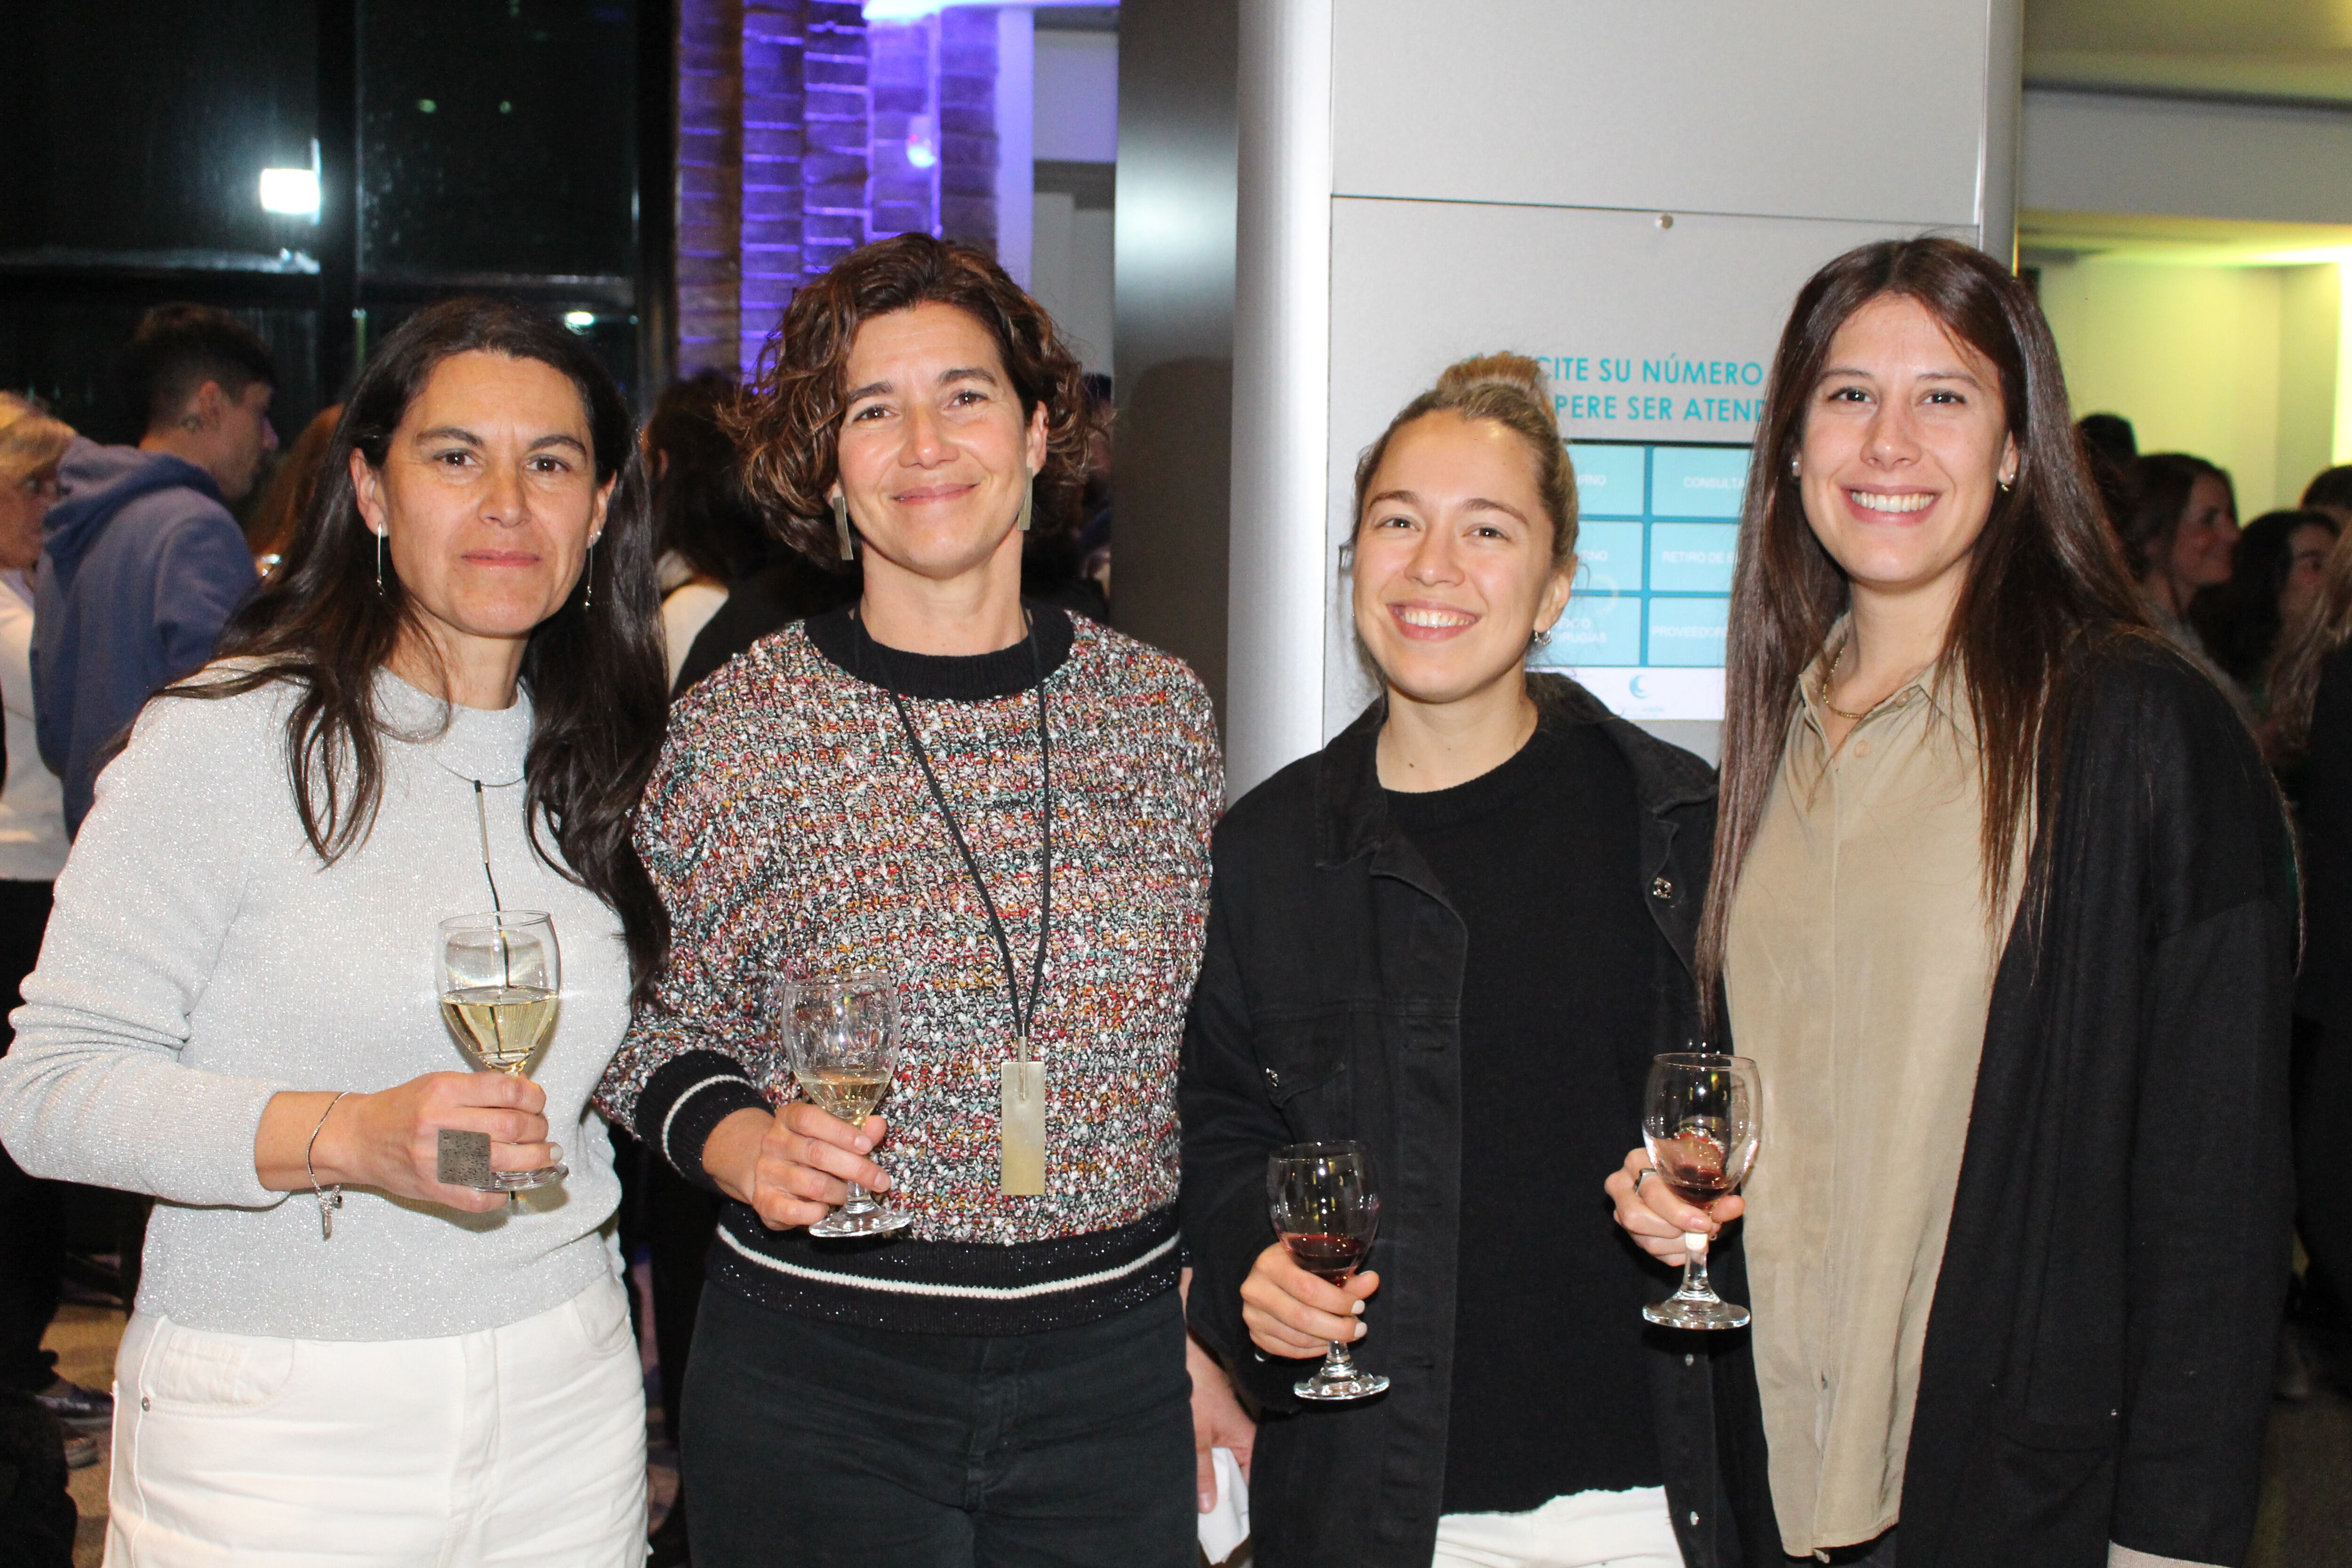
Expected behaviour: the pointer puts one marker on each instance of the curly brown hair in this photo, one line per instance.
(788, 420)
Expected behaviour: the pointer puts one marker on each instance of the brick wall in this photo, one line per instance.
(774, 44)
(966, 121)
(793, 136)
(710, 182)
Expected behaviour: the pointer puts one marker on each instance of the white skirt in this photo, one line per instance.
(522, 1445)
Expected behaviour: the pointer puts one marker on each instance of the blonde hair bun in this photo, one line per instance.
(1502, 371)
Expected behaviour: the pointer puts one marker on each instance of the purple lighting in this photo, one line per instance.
(807, 128)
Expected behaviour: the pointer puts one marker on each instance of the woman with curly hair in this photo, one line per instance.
(1008, 809)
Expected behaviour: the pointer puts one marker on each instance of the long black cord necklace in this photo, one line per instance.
(1020, 1102)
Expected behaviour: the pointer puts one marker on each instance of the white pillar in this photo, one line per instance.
(1280, 578)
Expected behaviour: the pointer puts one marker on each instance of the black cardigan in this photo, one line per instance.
(2098, 1357)
(1329, 1006)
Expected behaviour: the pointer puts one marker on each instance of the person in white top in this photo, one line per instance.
(32, 847)
(446, 700)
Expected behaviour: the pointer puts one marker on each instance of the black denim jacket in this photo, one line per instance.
(1329, 1006)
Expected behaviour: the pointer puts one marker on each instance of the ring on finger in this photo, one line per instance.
(1644, 1171)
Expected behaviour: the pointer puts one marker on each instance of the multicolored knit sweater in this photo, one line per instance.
(789, 825)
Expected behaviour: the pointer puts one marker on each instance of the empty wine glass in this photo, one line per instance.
(501, 979)
(1701, 1120)
(1326, 1209)
(840, 1034)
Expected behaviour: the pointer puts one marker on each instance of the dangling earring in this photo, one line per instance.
(588, 580)
(379, 563)
(841, 527)
(1028, 504)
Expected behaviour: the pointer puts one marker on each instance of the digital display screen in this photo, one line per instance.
(1658, 527)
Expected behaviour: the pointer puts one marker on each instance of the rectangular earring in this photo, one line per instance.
(841, 526)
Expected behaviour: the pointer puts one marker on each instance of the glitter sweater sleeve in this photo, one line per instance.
(789, 825)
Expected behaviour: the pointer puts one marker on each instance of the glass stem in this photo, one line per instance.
(1336, 1362)
(1694, 1281)
(859, 1200)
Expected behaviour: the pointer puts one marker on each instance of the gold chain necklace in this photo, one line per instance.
(1821, 690)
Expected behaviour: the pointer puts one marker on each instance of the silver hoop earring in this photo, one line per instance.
(1539, 638)
(379, 563)
(2005, 486)
(1028, 504)
(841, 527)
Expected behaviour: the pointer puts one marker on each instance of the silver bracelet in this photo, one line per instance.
(328, 1202)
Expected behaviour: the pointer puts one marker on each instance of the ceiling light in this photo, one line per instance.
(294, 192)
(579, 320)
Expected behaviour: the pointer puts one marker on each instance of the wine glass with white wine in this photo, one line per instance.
(502, 984)
(840, 1033)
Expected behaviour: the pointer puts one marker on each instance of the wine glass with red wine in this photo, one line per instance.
(1326, 1210)
(1701, 1120)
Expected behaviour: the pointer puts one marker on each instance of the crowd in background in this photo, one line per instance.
(125, 571)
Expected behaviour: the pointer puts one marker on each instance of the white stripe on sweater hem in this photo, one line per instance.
(669, 1153)
(976, 1292)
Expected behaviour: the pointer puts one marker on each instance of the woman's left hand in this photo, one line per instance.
(1218, 1422)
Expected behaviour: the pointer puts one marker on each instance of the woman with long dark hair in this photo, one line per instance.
(2281, 562)
(2180, 540)
(446, 701)
(2001, 905)
(1007, 808)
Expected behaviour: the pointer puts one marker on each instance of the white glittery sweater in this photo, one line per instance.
(200, 958)
(789, 824)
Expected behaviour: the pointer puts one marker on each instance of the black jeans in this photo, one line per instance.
(826, 1445)
(32, 1213)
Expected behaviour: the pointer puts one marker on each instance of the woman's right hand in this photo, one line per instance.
(1655, 1218)
(793, 1166)
(1289, 1312)
(391, 1139)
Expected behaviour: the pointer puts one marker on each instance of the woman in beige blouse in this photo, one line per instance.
(2000, 906)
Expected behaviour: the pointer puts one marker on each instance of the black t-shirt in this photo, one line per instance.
(1540, 858)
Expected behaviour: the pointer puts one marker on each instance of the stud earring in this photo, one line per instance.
(2005, 484)
(1796, 469)
(841, 527)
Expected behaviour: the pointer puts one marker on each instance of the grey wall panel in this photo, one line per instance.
(1805, 108)
(1588, 292)
(2107, 152)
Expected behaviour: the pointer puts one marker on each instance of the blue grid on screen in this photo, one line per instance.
(1658, 523)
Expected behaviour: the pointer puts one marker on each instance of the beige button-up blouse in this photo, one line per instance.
(1859, 968)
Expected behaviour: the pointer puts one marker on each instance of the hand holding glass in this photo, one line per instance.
(1701, 1120)
(840, 1033)
(1327, 1209)
(501, 982)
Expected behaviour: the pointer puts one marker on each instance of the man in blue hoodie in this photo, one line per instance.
(141, 562)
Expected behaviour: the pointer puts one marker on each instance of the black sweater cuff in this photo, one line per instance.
(685, 1099)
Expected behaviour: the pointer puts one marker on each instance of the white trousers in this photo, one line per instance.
(1585, 1529)
(523, 1447)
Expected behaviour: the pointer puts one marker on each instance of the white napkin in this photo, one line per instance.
(1226, 1526)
